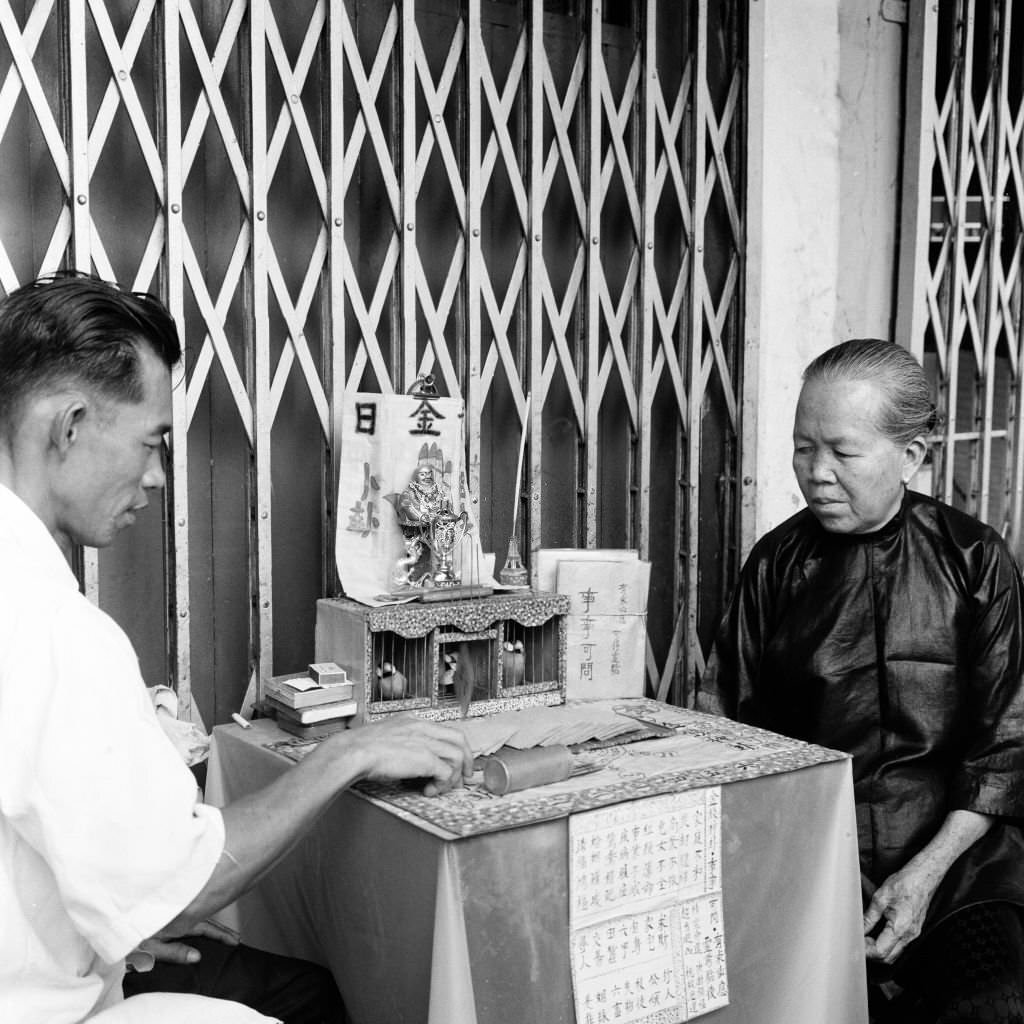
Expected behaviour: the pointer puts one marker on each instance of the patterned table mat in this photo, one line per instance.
(701, 750)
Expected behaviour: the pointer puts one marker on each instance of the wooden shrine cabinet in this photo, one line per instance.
(493, 653)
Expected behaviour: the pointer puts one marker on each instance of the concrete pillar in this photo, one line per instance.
(824, 104)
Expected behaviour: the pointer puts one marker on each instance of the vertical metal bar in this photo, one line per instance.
(179, 620)
(648, 277)
(998, 76)
(698, 286)
(592, 399)
(914, 272)
(262, 402)
(957, 317)
(334, 343)
(649, 198)
(78, 111)
(753, 264)
(407, 143)
(80, 196)
(475, 56)
(537, 270)
(1015, 464)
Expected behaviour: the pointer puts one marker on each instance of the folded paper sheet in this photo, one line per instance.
(388, 442)
(606, 629)
(645, 909)
(547, 560)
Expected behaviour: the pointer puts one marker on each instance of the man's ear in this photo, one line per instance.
(66, 424)
(913, 456)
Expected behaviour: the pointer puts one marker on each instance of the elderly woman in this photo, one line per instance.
(886, 624)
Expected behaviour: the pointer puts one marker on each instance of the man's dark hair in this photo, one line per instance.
(75, 327)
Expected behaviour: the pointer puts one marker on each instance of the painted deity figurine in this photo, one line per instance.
(423, 500)
(432, 530)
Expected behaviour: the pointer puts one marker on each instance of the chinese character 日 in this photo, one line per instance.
(366, 418)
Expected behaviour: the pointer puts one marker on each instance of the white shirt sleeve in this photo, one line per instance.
(90, 781)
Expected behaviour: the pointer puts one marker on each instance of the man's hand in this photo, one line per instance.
(164, 947)
(406, 747)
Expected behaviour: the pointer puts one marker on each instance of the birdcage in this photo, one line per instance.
(448, 659)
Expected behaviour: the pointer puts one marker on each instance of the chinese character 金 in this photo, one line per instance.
(425, 414)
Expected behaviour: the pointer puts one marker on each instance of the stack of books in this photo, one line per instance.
(311, 705)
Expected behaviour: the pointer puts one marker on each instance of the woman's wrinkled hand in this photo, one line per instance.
(896, 913)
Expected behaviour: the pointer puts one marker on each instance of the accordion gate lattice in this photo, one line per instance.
(606, 322)
(960, 276)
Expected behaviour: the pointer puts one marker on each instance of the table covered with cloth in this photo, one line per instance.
(456, 910)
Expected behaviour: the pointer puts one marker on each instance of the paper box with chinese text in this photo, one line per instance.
(606, 629)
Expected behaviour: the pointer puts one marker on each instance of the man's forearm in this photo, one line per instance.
(261, 827)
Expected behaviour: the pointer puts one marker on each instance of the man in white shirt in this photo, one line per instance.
(102, 841)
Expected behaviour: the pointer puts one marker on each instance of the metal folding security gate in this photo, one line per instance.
(522, 197)
(962, 243)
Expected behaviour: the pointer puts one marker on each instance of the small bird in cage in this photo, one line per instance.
(449, 666)
(513, 668)
(390, 682)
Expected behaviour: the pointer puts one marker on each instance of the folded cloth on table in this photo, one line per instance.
(543, 727)
(191, 742)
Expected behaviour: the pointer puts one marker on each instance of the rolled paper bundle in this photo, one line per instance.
(511, 770)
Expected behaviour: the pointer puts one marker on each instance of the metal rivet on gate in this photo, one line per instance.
(650, 245)
(476, 232)
(175, 208)
(594, 240)
(122, 74)
(261, 215)
(181, 522)
(81, 200)
(264, 514)
(266, 604)
(183, 614)
(295, 99)
(337, 222)
(408, 227)
(536, 238)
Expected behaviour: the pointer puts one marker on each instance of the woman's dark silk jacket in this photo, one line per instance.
(904, 648)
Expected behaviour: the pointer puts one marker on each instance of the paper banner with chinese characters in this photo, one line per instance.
(388, 441)
(645, 898)
(606, 631)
